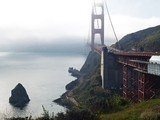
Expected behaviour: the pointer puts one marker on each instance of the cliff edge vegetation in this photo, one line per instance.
(87, 93)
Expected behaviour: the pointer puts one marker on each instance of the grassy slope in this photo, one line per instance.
(149, 108)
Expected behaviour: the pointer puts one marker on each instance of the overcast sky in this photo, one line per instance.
(67, 20)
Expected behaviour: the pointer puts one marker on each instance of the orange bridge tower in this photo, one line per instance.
(97, 23)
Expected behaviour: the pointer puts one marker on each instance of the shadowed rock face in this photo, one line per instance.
(19, 97)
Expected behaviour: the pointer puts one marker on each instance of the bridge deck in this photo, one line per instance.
(138, 83)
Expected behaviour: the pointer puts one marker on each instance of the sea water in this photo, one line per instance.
(44, 76)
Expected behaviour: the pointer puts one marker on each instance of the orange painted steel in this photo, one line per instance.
(138, 84)
(148, 54)
(138, 87)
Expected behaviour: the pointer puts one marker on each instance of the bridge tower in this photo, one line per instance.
(97, 22)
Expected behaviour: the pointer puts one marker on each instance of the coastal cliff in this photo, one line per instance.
(74, 88)
(86, 91)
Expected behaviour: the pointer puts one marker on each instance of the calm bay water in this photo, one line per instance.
(44, 75)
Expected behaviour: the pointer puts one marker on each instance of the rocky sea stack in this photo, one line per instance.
(19, 97)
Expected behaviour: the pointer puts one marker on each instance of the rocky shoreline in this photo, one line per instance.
(67, 99)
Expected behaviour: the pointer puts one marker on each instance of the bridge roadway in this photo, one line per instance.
(128, 72)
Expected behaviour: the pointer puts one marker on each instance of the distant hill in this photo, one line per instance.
(144, 40)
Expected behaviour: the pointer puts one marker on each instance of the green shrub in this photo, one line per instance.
(149, 115)
(77, 115)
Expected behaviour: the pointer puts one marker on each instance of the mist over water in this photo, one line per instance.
(44, 75)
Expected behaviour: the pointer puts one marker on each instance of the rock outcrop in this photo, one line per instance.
(19, 97)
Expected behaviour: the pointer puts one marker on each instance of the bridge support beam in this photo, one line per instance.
(130, 83)
(146, 87)
(104, 68)
(111, 72)
(138, 85)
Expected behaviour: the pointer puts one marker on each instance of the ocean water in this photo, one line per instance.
(44, 76)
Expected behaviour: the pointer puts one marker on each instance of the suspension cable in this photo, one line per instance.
(88, 37)
(111, 24)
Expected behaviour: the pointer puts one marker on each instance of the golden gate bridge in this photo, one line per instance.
(132, 72)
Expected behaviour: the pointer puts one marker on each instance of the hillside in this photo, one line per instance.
(144, 40)
(147, 110)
